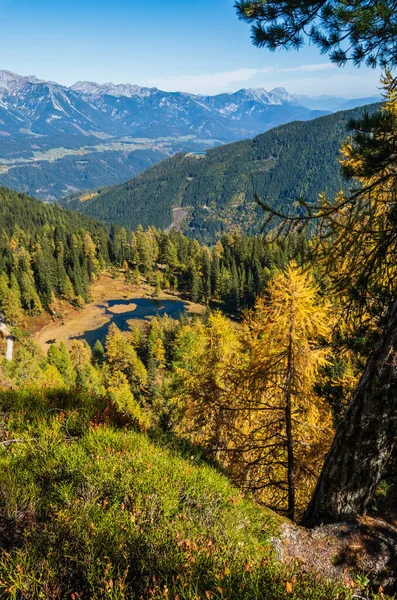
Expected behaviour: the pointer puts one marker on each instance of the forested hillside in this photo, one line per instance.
(47, 252)
(217, 190)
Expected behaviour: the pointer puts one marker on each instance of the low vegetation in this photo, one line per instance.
(92, 509)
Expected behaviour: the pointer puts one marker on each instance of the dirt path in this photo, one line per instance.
(70, 323)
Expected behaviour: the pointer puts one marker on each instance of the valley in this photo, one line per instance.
(53, 172)
(56, 140)
(208, 195)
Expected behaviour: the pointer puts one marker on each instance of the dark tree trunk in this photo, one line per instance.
(364, 439)
(291, 465)
(288, 426)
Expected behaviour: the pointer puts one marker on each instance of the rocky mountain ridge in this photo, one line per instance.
(31, 106)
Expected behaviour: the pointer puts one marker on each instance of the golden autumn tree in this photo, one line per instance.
(249, 396)
(357, 245)
(203, 354)
(290, 425)
(122, 399)
(123, 357)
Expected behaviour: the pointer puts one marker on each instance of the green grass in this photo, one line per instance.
(92, 511)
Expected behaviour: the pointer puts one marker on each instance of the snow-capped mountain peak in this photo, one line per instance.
(277, 96)
(11, 83)
(281, 94)
(256, 94)
(90, 88)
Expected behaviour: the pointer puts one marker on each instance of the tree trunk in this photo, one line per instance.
(288, 424)
(364, 439)
(291, 466)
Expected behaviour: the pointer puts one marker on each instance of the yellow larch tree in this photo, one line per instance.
(291, 426)
(202, 358)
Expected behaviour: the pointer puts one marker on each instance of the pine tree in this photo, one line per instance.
(157, 283)
(206, 275)
(42, 277)
(234, 292)
(30, 299)
(137, 276)
(144, 250)
(358, 31)
(195, 286)
(121, 246)
(15, 289)
(10, 304)
(98, 352)
(170, 254)
(215, 277)
(90, 256)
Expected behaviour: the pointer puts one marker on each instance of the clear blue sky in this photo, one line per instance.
(189, 45)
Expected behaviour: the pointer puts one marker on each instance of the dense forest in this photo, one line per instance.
(217, 190)
(47, 253)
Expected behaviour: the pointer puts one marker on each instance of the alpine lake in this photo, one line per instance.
(122, 312)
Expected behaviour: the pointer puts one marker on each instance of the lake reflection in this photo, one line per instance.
(141, 308)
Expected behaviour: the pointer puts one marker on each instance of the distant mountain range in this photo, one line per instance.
(206, 196)
(29, 106)
(55, 140)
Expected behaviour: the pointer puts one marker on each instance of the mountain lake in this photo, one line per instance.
(121, 312)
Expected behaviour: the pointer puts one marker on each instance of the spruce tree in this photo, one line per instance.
(98, 352)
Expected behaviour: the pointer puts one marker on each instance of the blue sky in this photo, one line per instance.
(189, 45)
